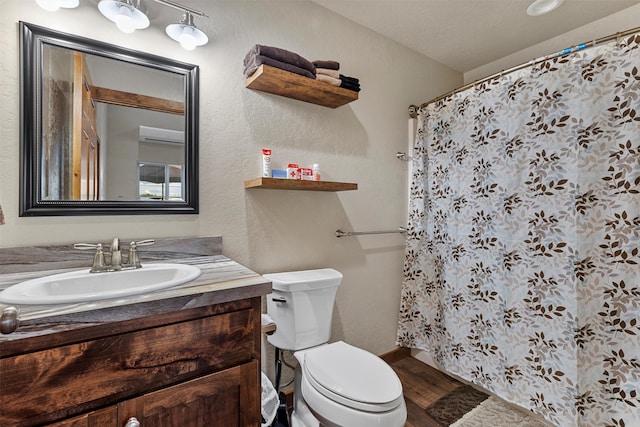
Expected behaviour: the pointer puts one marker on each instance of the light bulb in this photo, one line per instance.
(186, 33)
(49, 5)
(126, 17)
(187, 39)
(53, 5)
(124, 21)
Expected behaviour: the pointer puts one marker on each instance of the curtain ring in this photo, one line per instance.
(618, 40)
(413, 111)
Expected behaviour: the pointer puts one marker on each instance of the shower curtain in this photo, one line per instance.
(522, 264)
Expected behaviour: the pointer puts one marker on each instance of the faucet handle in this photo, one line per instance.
(87, 246)
(134, 261)
(146, 242)
(99, 263)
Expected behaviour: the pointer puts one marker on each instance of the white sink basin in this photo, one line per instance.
(81, 286)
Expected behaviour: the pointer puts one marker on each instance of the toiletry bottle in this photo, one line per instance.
(266, 162)
(293, 171)
(316, 172)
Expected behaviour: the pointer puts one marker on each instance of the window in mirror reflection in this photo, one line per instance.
(160, 181)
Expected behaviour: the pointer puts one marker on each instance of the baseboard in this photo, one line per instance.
(395, 355)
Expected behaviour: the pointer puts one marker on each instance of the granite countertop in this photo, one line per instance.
(222, 280)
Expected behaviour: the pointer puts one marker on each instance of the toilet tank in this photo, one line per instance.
(301, 305)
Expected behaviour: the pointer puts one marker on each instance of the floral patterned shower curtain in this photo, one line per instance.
(522, 265)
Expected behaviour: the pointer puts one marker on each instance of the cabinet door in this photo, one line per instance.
(230, 398)
(74, 379)
(106, 417)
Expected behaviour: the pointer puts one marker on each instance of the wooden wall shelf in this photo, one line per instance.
(294, 184)
(279, 82)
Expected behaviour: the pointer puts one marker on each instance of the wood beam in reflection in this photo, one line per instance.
(135, 100)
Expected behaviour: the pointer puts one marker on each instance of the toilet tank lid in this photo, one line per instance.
(292, 281)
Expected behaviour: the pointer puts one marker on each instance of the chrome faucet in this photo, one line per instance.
(116, 262)
(116, 255)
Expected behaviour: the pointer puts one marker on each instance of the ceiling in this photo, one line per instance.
(466, 34)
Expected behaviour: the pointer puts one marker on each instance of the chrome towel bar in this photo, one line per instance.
(340, 233)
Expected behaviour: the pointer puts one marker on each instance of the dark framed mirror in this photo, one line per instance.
(105, 130)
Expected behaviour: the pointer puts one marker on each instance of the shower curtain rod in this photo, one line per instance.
(413, 109)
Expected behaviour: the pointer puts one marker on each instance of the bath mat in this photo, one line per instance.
(453, 406)
(497, 413)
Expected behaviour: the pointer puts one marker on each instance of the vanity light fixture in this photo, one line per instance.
(126, 16)
(129, 16)
(186, 33)
(540, 7)
(53, 5)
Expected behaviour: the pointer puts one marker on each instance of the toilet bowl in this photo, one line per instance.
(336, 384)
(344, 386)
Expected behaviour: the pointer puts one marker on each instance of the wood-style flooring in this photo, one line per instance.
(422, 386)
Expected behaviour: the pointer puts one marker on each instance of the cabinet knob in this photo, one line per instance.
(9, 320)
(132, 422)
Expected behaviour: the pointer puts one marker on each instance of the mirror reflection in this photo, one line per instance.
(100, 120)
(109, 131)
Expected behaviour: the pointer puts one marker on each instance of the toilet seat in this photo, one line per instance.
(353, 377)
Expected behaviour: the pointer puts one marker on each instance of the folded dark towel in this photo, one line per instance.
(349, 79)
(331, 65)
(252, 65)
(281, 55)
(350, 83)
(349, 86)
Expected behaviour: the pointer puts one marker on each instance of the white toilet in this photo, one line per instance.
(336, 385)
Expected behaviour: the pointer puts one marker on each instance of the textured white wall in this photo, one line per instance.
(266, 230)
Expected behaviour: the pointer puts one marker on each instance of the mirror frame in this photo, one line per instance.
(32, 40)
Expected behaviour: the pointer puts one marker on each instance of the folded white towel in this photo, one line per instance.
(328, 79)
(327, 72)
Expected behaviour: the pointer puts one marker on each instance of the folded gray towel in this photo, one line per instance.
(331, 65)
(281, 55)
(254, 62)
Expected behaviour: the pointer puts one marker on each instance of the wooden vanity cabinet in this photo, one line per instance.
(189, 368)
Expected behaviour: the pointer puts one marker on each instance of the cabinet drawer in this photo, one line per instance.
(68, 380)
(107, 417)
(225, 399)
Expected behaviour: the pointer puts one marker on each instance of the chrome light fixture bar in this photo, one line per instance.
(129, 16)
